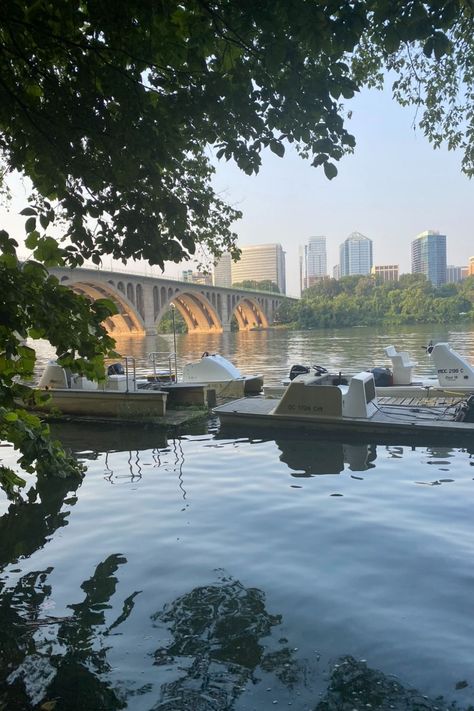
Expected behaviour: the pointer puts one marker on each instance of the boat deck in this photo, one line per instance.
(394, 417)
(417, 401)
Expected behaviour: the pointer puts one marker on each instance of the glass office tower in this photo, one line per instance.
(428, 256)
(355, 255)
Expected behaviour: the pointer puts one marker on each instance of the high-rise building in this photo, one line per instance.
(355, 255)
(385, 272)
(428, 256)
(314, 262)
(471, 266)
(261, 262)
(197, 277)
(455, 274)
(223, 271)
(336, 271)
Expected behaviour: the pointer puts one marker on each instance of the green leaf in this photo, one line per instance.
(330, 170)
(277, 148)
(30, 224)
(32, 240)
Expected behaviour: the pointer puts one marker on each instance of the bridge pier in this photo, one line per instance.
(225, 317)
(149, 311)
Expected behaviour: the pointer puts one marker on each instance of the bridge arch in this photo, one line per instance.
(249, 313)
(143, 300)
(127, 320)
(198, 312)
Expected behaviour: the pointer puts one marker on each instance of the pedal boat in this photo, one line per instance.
(212, 371)
(309, 404)
(455, 376)
(119, 396)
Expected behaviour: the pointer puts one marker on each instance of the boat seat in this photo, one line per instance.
(402, 365)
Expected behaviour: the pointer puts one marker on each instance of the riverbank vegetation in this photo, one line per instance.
(362, 301)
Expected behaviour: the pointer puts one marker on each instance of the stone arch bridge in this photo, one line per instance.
(142, 301)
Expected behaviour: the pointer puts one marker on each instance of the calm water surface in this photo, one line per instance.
(205, 573)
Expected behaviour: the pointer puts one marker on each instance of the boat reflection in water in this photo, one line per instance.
(106, 438)
(309, 458)
(143, 446)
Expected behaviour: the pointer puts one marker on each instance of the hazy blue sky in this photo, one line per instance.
(393, 187)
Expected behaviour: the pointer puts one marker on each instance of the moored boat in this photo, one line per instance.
(311, 403)
(125, 395)
(223, 375)
(210, 370)
(119, 395)
(454, 375)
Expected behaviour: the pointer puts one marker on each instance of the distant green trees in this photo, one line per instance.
(252, 285)
(166, 323)
(363, 301)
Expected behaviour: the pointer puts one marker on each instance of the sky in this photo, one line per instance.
(393, 187)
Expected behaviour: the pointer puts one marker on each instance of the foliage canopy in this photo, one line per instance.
(362, 301)
(112, 110)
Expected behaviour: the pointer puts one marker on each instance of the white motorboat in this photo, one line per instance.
(120, 395)
(312, 403)
(211, 370)
(455, 375)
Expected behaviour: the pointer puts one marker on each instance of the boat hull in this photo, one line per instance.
(236, 388)
(105, 403)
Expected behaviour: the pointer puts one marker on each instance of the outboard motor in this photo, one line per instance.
(115, 369)
(298, 370)
(383, 377)
(465, 410)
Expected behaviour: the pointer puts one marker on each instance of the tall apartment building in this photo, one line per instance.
(314, 265)
(385, 272)
(222, 275)
(428, 256)
(355, 255)
(471, 266)
(259, 263)
(456, 274)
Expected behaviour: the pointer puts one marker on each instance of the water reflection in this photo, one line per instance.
(211, 645)
(215, 645)
(59, 661)
(90, 441)
(308, 458)
(27, 526)
(354, 685)
(137, 443)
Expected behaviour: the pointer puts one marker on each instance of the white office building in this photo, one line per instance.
(261, 262)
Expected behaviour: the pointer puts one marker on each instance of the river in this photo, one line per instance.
(204, 574)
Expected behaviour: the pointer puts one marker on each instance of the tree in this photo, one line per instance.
(110, 111)
(264, 285)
